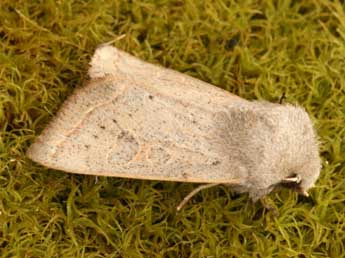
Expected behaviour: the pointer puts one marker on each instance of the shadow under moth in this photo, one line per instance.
(138, 120)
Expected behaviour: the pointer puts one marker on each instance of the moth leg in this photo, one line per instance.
(295, 179)
(192, 193)
(265, 203)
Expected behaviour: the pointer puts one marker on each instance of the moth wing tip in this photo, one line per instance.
(103, 61)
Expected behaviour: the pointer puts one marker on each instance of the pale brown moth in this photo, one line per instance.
(138, 120)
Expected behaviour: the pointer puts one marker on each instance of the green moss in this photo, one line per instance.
(256, 49)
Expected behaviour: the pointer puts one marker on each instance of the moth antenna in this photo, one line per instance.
(114, 40)
(282, 98)
(194, 192)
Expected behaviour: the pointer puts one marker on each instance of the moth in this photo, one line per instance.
(137, 120)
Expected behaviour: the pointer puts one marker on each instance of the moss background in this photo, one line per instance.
(256, 49)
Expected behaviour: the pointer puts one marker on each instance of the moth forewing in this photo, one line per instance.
(139, 120)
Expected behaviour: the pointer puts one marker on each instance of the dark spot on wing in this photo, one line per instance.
(216, 162)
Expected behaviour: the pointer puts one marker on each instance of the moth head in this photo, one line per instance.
(301, 182)
(301, 163)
